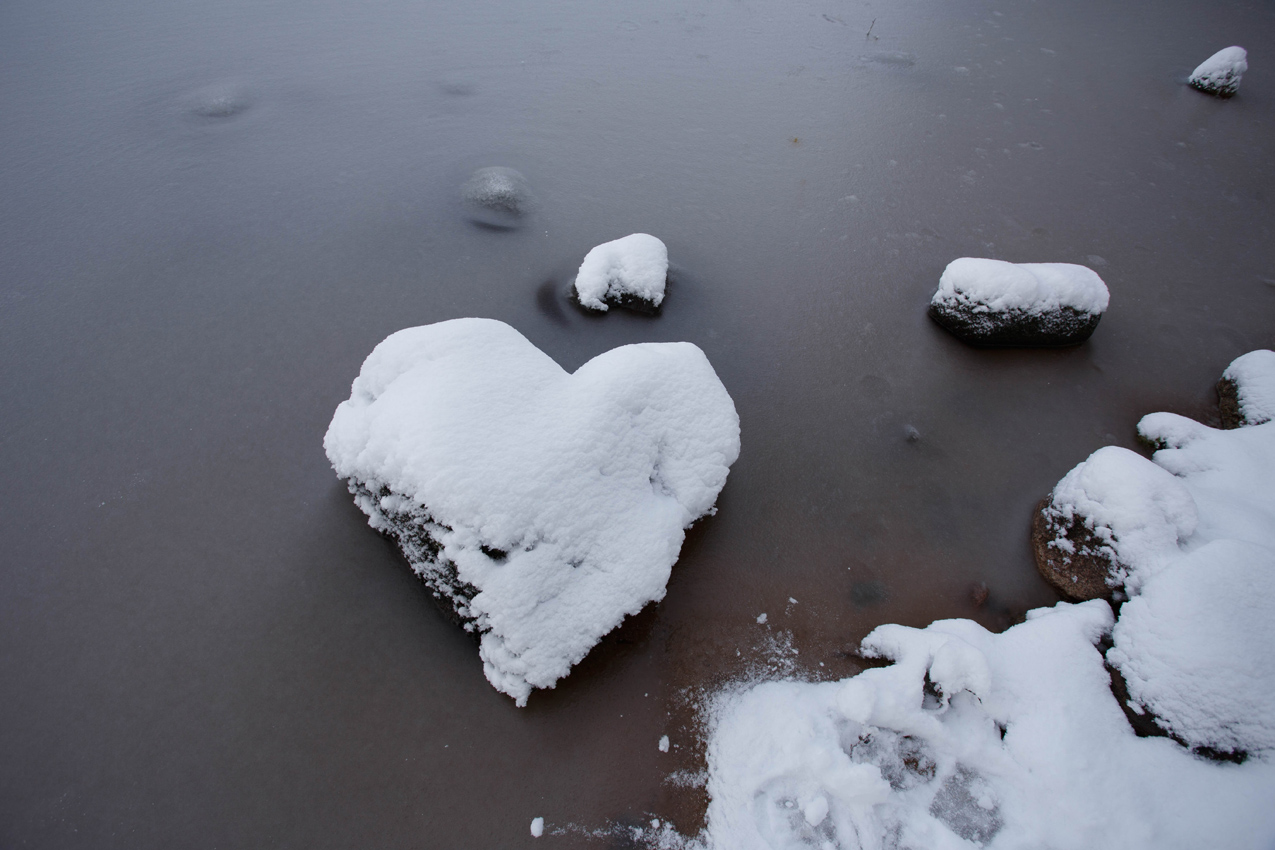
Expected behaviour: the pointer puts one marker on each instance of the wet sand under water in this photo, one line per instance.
(210, 214)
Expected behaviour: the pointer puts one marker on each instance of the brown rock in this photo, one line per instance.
(1078, 575)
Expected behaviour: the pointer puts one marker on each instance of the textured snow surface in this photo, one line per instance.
(1254, 377)
(635, 266)
(998, 286)
(1137, 509)
(562, 498)
(1018, 743)
(1222, 71)
(1015, 740)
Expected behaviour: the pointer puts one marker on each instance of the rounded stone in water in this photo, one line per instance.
(498, 197)
(222, 100)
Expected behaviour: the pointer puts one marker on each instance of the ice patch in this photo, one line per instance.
(542, 506)
(631, 271)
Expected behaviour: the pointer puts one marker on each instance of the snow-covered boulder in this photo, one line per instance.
(1197, 648)
(497, 197)
(992, 302)
(1246, 393)
(1220, 74)
(541, 507)
(1109, 524)
(628, 272)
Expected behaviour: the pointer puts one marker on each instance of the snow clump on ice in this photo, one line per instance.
(1220, 74)
(992, 302)
(629, 272)
(542, 507)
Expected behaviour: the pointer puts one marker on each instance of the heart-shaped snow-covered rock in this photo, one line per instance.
(543, 507)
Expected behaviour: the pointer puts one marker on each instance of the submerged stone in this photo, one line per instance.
(497, 197)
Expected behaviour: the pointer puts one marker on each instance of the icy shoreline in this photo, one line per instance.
(975, 739)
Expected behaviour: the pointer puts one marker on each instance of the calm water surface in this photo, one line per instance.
(211, 212)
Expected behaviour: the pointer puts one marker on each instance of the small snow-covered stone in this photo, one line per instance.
(1220, 74)
(992, 302)
(537, 827)
(1246, 393)
(663, 744)
(497, 197)
(1110, 524)
(540, 507)
(628, 272)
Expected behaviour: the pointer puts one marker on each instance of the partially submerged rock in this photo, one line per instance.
(1110, 524)
(1246, 393)
(540, 507)
(497, 197)
(995, 303)
(629, 272)
(1220, 74)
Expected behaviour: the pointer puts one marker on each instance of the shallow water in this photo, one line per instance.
(210, 213)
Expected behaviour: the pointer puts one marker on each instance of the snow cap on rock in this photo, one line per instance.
(997, 285)
(545, 506)
(1220, 74)
(634, 268)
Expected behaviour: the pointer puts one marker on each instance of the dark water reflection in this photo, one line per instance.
(210, 213)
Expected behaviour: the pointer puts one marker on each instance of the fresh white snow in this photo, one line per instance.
(562, 498)
(663, 744)
(537, 827)
(1221, 72)
(998, 286)
(635, 266)
(1137, 509)
(1254, 377)
(1014, 740)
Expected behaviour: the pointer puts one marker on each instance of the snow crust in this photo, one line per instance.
(561, 498)
(1254, 377)
(634, 266)
(1221, 72)
(1033, 288)
(1014, 740)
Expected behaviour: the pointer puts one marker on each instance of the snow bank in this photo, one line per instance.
(1013, 740)
(1220, 74)
(993, 302)
(970, 739)
(541, 506)
(628, 272)
(1247, 390)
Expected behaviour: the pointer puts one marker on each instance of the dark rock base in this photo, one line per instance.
(1080, 575)
(1228, 88)
(1228, 404)
(626, 300)
(414, 532)
(1062, 327)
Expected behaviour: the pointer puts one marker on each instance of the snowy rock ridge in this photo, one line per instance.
(995, 303)
(541, 507)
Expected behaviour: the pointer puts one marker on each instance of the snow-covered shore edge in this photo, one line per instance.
(974, 739)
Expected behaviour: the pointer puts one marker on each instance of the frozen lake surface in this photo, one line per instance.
(211, 213)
